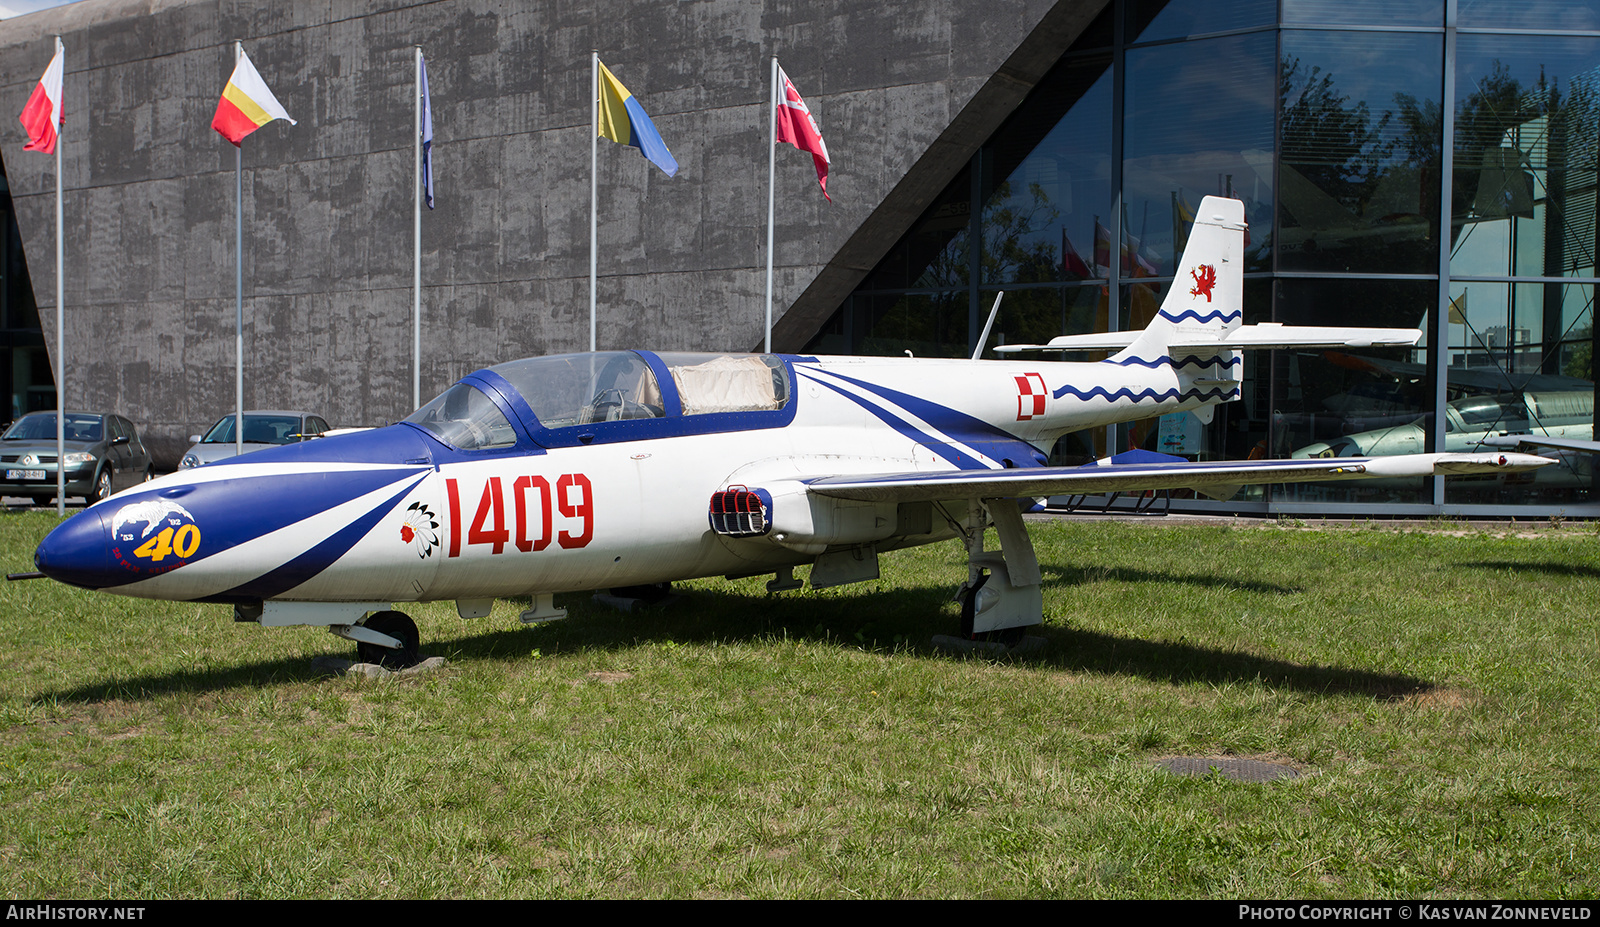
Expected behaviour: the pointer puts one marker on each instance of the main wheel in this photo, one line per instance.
(969, 611)
(1008, 637)
(397, 625)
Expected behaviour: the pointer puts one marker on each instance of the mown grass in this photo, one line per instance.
(1436, 689)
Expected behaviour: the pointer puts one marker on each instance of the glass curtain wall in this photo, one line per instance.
(1521, 330)
(1382, 188)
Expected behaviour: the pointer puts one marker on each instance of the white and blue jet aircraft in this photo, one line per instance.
(579, 472)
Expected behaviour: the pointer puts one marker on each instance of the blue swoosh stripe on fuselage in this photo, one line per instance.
(981, 436)
(235, 511)
(932, 442)
(306, 566)
(960, 426)
(1186, 360)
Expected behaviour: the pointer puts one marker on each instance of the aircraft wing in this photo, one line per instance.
(1139, 477)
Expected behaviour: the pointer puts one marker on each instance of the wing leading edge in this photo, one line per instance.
(1137, 477)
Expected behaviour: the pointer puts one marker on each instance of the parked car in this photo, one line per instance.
(103, 455)
(262, 429)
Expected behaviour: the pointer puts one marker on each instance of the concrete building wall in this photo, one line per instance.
(904, 89)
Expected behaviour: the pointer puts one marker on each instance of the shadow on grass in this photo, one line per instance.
(905, 620)
(241, 676)
(1183, 662)
(1079, 576)
(1550, 569)
(899, 622)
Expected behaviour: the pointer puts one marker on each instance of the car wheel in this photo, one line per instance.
(148, 475)
(102, 486)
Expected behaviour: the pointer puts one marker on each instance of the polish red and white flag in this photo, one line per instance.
(42, 115)
(798, 127)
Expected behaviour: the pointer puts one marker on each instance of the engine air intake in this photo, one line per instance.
(740, 512)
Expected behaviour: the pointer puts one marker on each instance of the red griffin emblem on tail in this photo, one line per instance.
(1205, 277)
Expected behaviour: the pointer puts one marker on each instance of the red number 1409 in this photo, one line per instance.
(533, 503)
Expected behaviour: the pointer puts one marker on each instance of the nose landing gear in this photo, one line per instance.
(399, 627)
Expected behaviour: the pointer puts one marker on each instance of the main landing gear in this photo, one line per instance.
(1001, 598)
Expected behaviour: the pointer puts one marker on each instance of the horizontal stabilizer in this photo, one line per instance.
(1137, 477)
(1136, 456)
(1265, 335)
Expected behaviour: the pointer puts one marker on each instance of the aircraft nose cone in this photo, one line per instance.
(78, 552)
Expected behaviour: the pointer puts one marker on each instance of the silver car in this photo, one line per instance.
(262, 429)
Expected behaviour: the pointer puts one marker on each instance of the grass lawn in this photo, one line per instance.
(1435, 688)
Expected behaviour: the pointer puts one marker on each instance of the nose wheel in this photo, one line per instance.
(399, 626)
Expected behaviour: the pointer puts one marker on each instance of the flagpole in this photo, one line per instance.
(416, 255)
(238, 283)
(772, 182)
(594, 181)
(61, 318)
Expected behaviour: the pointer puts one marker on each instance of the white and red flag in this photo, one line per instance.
(42, 116)
(799, 128)
(247, 103)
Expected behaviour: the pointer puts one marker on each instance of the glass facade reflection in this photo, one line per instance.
(1413, 164)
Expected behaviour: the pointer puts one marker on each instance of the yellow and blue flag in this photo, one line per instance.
(623, 120)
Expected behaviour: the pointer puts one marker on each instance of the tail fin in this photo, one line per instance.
(1198, 333)
(1207, 298)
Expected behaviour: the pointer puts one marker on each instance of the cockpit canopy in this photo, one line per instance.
(572, 391)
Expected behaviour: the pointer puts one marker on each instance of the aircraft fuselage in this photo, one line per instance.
(397, 514)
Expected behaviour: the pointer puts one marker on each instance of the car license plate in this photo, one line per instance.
(25, 474)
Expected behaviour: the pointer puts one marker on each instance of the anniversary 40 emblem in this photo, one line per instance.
(154, 536)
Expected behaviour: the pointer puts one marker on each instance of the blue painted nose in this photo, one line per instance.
(78, 552)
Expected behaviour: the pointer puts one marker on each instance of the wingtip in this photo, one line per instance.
(1504, 462)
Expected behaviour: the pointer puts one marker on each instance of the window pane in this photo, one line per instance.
(1048, 180)
(1199, 121)
(933, 253)
(1365, 12)
(1527, 129)
(1035, 316)
(927, 325)
(1521, 14)
(1358, 403)
(1153, 20)
(1360, 130)
(1521, 362)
